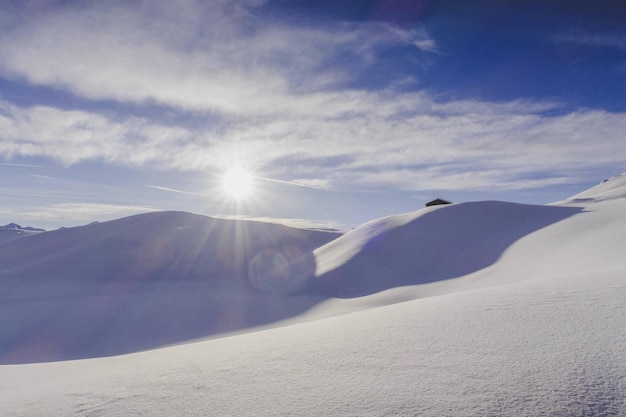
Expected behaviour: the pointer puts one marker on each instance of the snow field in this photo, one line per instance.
(538, 330)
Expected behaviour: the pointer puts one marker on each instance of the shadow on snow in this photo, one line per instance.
(442, 243)
(163, 278)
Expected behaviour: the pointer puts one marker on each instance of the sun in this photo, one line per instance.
(237, 183)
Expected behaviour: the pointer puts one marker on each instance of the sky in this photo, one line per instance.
(341, 111)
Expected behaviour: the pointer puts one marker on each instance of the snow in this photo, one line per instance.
(535, 326)
(613, 188)
(141, 282)
(429, 245)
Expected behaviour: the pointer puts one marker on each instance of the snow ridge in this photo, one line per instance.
(429, 245)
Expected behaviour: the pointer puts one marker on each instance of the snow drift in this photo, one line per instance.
(476, 309)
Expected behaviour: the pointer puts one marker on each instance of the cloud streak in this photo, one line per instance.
(172, 190)
(317, 184)
(21, 165)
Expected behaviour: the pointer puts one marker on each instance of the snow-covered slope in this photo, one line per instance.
(146, 281)
(609, 189)
(534, 327)
(428, 245)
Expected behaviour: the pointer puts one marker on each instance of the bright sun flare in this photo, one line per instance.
(237, 183)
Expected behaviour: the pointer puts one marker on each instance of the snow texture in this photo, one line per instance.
(474, 309)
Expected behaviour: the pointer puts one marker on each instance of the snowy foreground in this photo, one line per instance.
(473, 309)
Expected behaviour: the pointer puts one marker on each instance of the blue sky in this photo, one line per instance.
(344, 111)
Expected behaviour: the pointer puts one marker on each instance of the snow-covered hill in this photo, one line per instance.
(474, 309)
(428, 245)
(146, 281)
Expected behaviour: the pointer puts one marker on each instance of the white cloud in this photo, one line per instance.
(72, 136)
(425, 42)
(383, 147)
(192, 55)
(274, 85)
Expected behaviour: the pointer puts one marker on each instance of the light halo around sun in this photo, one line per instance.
(237, 183)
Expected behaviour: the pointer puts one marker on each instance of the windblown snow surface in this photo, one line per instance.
(472, 309)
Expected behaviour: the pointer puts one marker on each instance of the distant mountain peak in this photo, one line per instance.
(15, 226)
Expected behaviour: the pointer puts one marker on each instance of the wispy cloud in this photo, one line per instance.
(71, 136)
(194, 55)
(21, 165)
(315, 183)
(589, 39)
(172, 190)
(281, 98)
(73, 214)
(433, 149)
(87, 210)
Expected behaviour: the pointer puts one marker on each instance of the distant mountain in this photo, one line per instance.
(14, 226)
(13, 230)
